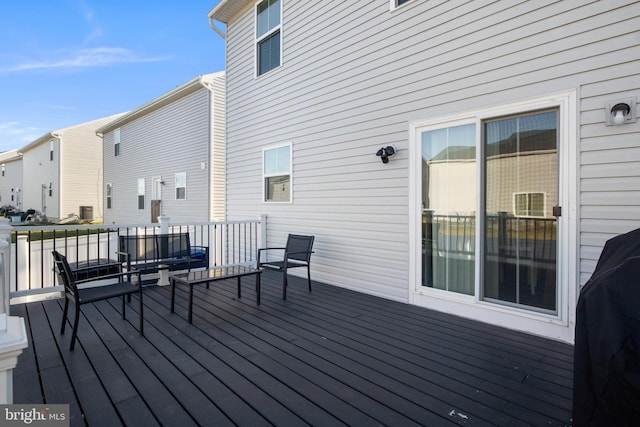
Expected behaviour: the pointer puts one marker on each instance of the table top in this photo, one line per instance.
(217, 273)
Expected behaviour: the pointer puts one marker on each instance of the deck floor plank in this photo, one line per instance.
(310, 341)
(330, 357)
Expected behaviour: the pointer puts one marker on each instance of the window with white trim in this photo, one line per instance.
(108, 192)
(528, 204)
(140, 193)
(276, 173)
(51, 146)
(116, 142)
(268, 35)
(50, 189)
(398, 3)
(181, 186)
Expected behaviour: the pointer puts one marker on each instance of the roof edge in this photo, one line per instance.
(183, 90)
(225, 10)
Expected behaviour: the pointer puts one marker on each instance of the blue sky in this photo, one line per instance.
(65, 62)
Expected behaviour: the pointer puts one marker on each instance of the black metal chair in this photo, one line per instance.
(297, 253)
(81, 296)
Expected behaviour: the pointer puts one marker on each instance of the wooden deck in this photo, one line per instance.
(332, 357)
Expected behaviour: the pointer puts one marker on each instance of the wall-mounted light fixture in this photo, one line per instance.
(162, 183)
(620, 112)
(385, 152)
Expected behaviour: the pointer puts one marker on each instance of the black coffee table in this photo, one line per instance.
(207, 276)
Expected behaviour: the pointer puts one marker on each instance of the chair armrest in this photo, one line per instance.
(267, 249)
(77, 270)
(110, 276)
(125, 255)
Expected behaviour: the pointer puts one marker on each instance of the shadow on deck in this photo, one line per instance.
(332, 357)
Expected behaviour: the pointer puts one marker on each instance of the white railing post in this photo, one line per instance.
(13, 335)
(163, 273)
(262, 243)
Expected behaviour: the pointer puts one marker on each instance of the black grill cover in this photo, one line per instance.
(606, 383)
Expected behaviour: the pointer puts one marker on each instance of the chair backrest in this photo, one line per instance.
(139, 248)
(299, 247)
(63, 270)
(174, 245)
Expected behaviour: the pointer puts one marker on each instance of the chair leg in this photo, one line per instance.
(123, 307)
(64, 316)
(309, 277)
(75, 327)
(284, 285)
(141, 316)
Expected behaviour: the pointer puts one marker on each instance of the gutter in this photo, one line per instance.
(216, 29)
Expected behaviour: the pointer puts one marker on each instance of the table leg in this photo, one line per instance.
(258, 287)
(239, 292)
(173, 293)
(190, 303)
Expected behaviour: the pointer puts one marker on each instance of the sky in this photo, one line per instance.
(66, 62)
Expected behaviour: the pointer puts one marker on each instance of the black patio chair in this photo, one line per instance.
(297, 253)
(81, 296)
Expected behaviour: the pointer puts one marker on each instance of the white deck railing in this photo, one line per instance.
(31, 265)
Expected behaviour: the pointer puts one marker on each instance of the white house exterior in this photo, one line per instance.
(63, 172)
(11, 179)
(167, 156)
(316, 89)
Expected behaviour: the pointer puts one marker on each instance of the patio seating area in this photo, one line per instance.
(330, 357)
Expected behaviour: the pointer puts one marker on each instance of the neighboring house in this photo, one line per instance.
(11, 179)
(316, 89)
(167, 156)
(63, 172)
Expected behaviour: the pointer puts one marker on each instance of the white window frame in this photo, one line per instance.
(276, 174)
(51, 147)
(109, 195)
(116, 142)
(141, 192)
(550, 325)
(393, 4)
(264, 36)
(178, 179)
(529, 194)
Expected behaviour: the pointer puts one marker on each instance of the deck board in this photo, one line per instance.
(330, 357)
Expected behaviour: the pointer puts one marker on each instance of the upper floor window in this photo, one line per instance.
(109, 194)
(116, 142)
(268, 35)
(51, 145)
(140, 193)
(276, 172)
(398, 3)
(50, 189)
(2, 170)
(181, 186)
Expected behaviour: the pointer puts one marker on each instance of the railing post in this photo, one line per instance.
(163, 273)
(262, 243)
(13, 335)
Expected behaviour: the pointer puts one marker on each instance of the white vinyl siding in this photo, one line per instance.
(356, 81)
(174, 134)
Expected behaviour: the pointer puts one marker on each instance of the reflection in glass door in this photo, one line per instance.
(448, 208)
(520, 210)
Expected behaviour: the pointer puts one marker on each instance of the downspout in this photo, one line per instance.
(216, 29)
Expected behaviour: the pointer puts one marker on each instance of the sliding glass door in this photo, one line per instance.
(513, 162)
(520, 163)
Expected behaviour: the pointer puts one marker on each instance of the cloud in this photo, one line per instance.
(15, 135)
(85, 58)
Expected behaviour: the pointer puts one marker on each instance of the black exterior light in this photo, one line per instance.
(385, 152)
